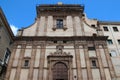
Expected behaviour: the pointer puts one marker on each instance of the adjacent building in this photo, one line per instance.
(112, 29)
(6, 40)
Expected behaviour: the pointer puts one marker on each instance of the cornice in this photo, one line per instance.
(73, 38)
(108, 23)
(59, 8)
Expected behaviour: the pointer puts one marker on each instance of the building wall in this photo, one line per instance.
(6, 37)
(5, 42)
(114, 49)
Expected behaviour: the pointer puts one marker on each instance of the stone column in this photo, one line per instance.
(88, 63)
(112, 71)
(17, 76)
(102, 72)
(78, 62)
(30, 75)
(42, 57)
(10, 63)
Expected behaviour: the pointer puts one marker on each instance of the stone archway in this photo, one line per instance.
(60, 71)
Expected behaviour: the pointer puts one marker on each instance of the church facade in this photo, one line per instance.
(62, 44)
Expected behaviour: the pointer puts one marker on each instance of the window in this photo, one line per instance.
(115, 29)
(110, 55)
(7, 56)
(64, 41)
(105, 28)
(119, 41)
(109, 41)
(59, 23)
(93, 25)
(94, 63)
(91, 48)
(55, 41)
(26, 63)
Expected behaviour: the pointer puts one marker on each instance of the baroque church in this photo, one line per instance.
(62, 44)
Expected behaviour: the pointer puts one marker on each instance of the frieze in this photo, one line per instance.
(63, 42)
(34, 46)
(29, 42)
(77, 45)
(105, 46)
(20, 42)
(85, 46)
(23, 46)
(39, 43)
(60, 54)
(80, 42)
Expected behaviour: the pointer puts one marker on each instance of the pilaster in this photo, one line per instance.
(50, 70)
(42, 57)
(18, 71)
(71, 71)
(78, 63)
(102, 72)
(88, 63)
(30, 75)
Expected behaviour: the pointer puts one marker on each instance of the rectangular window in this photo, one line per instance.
(91, 48)
(26, 63)
(59, 23)
(7, 56)
(109, 41)
(94, 63)
(55, 41)
(115, 29)
(105, 28)
(64, 41)
(119, 41)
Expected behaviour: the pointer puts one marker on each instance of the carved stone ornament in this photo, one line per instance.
(60, 54)
(53, 28)
(64, 28)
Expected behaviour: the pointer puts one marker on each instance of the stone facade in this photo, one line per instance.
(6, 39)
(62, 44)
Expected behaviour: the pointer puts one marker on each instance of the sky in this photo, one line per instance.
(22, 13)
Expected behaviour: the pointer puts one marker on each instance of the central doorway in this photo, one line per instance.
(60, 71)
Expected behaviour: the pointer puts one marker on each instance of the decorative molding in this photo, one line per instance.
(44, 38)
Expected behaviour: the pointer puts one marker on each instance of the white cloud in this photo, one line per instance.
(14, 29)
